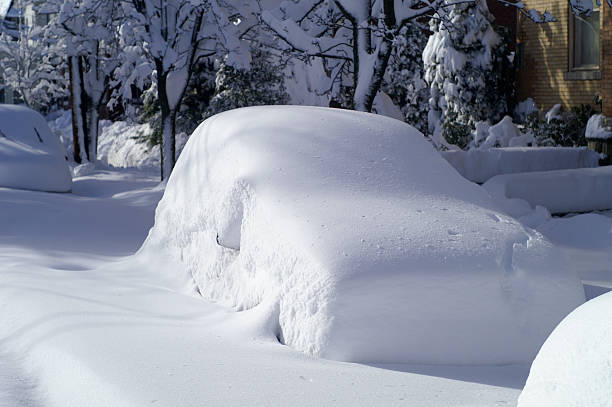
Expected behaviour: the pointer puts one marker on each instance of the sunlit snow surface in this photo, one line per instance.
(81, 326)
(369, 245)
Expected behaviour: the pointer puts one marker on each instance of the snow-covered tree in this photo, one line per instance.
(404, 80)
(261, 84)
(169, 37)
(29, 64)
(469, 70)
(356, 37)
(89, 29)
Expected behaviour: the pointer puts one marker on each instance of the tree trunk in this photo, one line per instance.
(370, 77)
(93, 118)
(168, 143)
(79, 129)
(168, 117)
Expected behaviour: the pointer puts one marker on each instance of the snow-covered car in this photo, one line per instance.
(31, 156)
(574, 366)
(361, 242)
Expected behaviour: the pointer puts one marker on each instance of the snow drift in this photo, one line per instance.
(574, 367)
(481, 165)
(364, 243)
(31, 156)
(561, 191)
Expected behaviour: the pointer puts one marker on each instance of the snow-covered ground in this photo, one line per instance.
(84, 323)
(81, 325)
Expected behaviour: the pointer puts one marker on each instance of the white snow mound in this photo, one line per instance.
(31, 156)
(481, 165)
(373, 247)
(574, 367)
(561, 191)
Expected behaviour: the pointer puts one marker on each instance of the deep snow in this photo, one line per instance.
(574, 367)
(560, 191)
(480, 165)
(80, 326)
(365, 244)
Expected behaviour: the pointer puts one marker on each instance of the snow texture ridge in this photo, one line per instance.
(31, 156)
(574, 367)
(373, 248)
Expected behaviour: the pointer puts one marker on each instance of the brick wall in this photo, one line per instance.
(542, 75)
(606, 59)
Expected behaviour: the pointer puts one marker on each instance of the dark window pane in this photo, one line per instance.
(586, 40)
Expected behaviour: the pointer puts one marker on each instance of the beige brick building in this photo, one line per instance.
(568, 61)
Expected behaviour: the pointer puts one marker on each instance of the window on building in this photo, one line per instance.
(584, 41)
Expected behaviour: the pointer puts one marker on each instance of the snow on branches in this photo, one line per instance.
(169, 37)
(355, 37)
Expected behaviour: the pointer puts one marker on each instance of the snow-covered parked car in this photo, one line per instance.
(361, 241)
(31, 156)
(574, 367)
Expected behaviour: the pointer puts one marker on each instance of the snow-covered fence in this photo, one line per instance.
(481, 165)
(562, 191)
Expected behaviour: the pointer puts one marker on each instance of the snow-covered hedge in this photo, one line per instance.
(561, 191)
(124, 145)
(574, 367)
(360, 239)
(480, 165)
(31, 156)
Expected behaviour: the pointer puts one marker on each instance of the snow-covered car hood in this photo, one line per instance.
(372, 246)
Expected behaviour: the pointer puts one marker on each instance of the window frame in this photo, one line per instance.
(585, 69)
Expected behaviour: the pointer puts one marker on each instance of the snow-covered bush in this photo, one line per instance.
(262, 84)
(574, 367)
(403, 81)
(503, 134)
(469, 71)
(561, 128)
(525, 109)
(358, 239)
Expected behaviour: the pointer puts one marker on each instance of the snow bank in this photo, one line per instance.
(589, 231)
(31, 156)
(561, 191)
(120, 147)
(596, 129)
(120, 143)
(574, 367)
(480, 165)
(369, 245)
